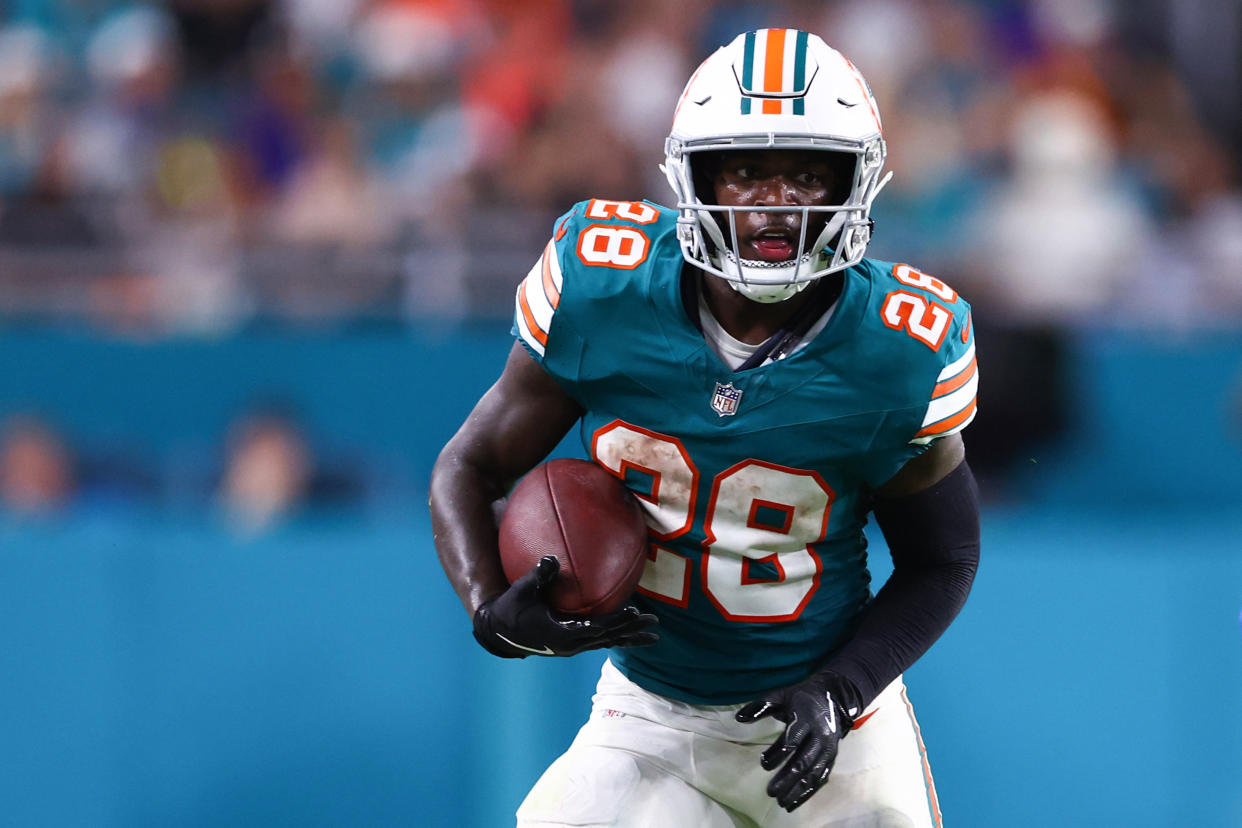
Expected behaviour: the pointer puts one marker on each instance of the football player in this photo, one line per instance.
(761, 387)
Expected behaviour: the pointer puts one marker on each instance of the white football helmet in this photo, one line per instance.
(775, 89)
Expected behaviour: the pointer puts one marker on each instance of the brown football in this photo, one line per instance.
(585, 516)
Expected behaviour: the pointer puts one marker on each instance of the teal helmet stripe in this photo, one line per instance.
(799, 84)
(748, 70)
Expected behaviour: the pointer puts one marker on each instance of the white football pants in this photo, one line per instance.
(645, 761)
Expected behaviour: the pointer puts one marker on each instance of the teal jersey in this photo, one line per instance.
(755, 483)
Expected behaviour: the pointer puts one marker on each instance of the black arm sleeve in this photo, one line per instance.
(933, 536)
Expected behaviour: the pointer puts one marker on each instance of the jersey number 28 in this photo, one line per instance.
(761, 521)
(613, 245)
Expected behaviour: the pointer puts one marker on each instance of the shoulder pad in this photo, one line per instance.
(598, 248)
(937, 322)
(611, 236)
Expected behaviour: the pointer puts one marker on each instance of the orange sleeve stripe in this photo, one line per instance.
(949, 423)
(549, 286)
(774, 69)
(535, 331)
(953, 383)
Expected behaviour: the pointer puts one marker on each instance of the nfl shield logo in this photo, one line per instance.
(725, 399)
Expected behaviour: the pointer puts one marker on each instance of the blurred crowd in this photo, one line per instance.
(266, 472)
(190, 167)
(197, 164)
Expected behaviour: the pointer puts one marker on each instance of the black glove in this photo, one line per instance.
(519, 622)
(817, 713)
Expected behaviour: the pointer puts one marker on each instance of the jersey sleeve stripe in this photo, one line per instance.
(528, 328)
(955, 423)
(533, 314)
(537, 299)
(523, 328)
(948, 405)
(536, 308)
(952, 384)
(551, 275)
(958, 365)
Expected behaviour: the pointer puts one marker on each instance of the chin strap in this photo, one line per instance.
(768, 294)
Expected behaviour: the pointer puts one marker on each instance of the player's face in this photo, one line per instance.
(774, 178)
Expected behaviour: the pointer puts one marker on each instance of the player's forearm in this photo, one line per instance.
(934, 538)
(904, 620)
(462, 517)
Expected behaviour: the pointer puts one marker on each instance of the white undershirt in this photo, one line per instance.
(734, 352)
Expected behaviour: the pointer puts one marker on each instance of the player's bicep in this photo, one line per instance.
(926, 470)
(517, 422)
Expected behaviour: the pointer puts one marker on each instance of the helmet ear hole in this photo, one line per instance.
(704, 167)
(844, 165)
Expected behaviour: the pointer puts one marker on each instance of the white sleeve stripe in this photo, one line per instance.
(953, 383)
(533, 307)
(944, 407)
(537, 300)
(956, 367)
(536, 274)
(524, 329)
(555, 266)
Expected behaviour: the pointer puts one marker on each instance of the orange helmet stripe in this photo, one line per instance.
(774, 69)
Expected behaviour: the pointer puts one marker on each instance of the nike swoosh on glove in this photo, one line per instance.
(519, 621)
(817, 713)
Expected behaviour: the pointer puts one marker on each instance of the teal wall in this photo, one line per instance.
(157, 669)
(378, 391)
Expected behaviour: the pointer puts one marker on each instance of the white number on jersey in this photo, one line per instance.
(611, 246)
(761, 522)
(917, 278)
(922, 319)
(638, 212)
